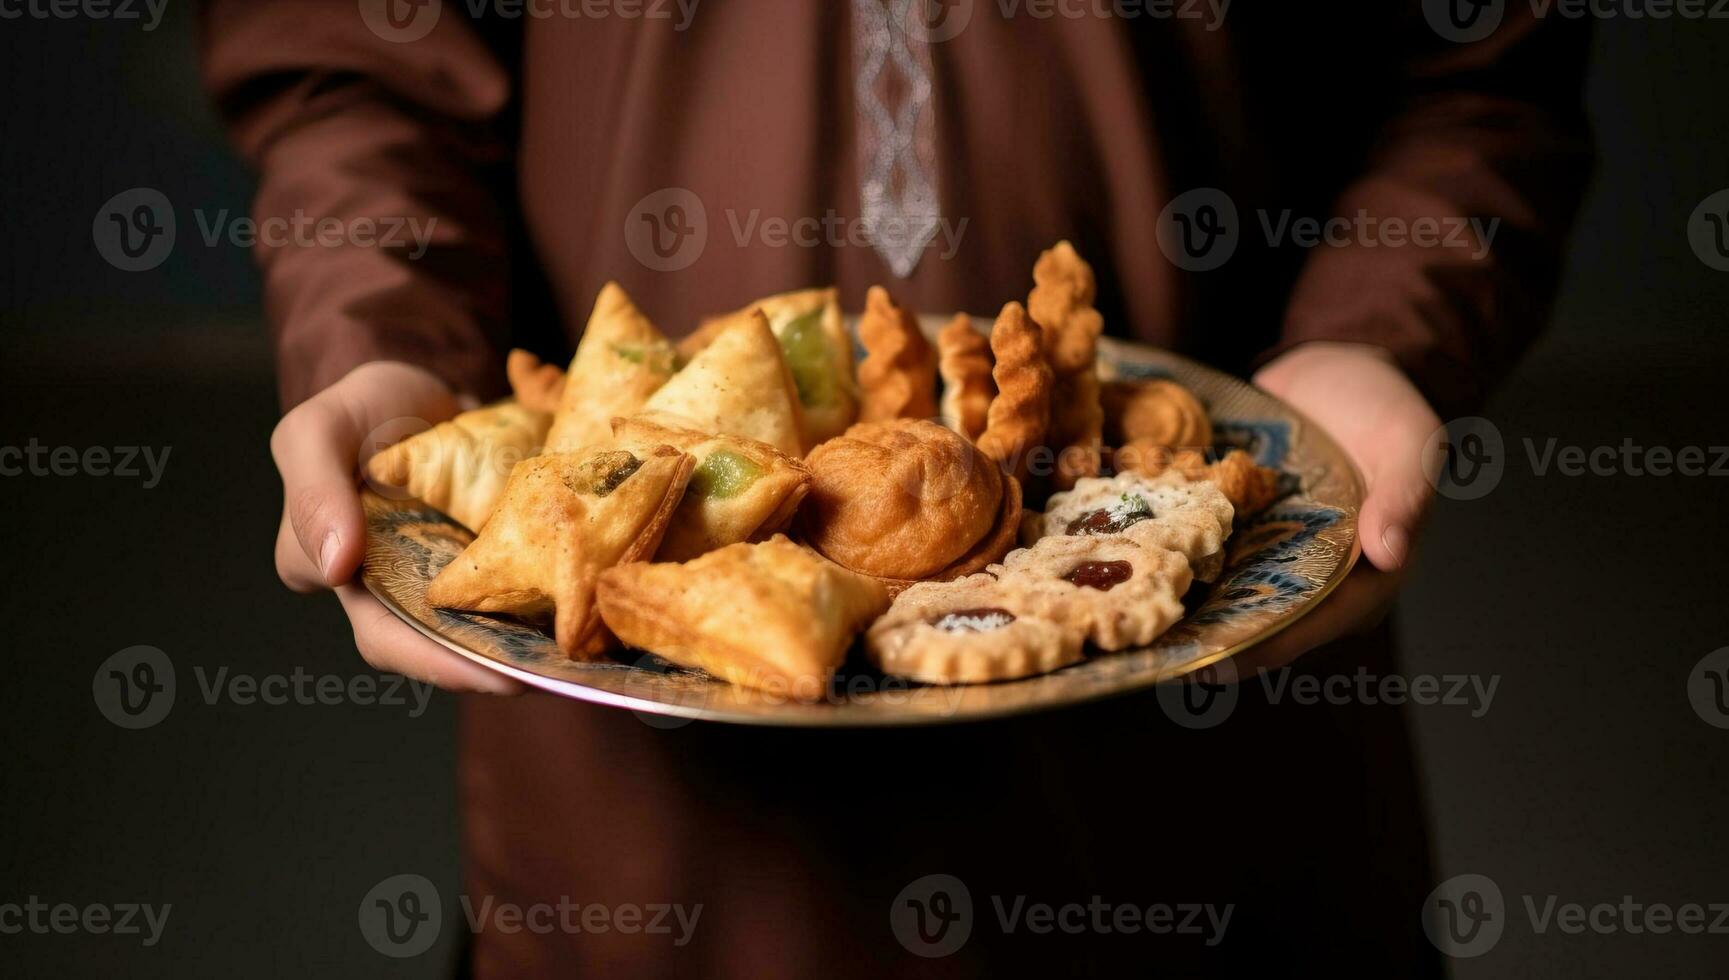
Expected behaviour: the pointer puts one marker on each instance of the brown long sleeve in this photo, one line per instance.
(388, 144)
(1492, 132)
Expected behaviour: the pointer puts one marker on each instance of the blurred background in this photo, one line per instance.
(1591, 598)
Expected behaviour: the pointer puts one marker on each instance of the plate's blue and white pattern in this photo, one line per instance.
(1278, 567)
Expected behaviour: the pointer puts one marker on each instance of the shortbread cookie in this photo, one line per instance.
(968, 631)
(1110, 588)
(1170, 512)
(1249, 486)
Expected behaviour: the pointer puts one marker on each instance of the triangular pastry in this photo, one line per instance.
(565, 518)
(774, 616)
(738, 386)
(460, 466)
(739, 490)
(621, 360)
(812, 335)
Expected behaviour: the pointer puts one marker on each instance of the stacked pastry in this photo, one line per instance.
(638, 497)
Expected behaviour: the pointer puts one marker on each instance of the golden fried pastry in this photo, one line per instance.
(1156, 412)
(813, 340)
(1062, 304)
(740, 489)
(565, 517)
(897, 378)
(1020, 414)
(536, 384)
(1110, 588)
(1250, 487)
(773, 616)
(621, 360)
(964, 361)
(738, 386)
(1167, 513)
(902, 499)
(968, 631)
(461, 466)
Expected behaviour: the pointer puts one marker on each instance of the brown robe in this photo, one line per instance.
(531, 140)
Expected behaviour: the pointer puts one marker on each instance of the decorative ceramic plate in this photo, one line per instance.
(1278, 568)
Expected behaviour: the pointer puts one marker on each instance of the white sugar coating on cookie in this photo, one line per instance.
(1117, 592)
(1169, 512)
(967, 632)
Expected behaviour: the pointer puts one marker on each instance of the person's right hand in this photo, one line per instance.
(318, 448)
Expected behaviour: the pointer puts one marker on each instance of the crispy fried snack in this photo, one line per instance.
(1020, 414)
(537, 385)
(1156, 412)
(621, 360)
(897, 379)
(813, 340)
(1249, 487)
(901, 499)
(565, 518)
(964, 361)
(773, 616)
(461, 466)
(741, 489)
(1062, 304)
(738, 386)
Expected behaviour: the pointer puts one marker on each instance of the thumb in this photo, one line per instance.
(315, 447)
(1397, 500)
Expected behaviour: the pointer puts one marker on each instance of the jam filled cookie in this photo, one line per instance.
(968, 631)
(1110, 588)
(1171, 513)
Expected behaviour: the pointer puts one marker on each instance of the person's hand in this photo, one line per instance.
(318, 448)
(1357, 394)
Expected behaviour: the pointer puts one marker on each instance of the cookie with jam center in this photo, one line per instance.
(1108, 587)
(968, 631)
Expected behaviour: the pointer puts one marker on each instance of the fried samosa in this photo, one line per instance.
(460, 466)
(739, 490)
(813, 340)
(621, 360)
(775, 616)
(564, 519)
(738, 386)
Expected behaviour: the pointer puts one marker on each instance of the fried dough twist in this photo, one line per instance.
(897, 378)
(964, 361)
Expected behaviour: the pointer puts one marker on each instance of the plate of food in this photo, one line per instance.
(793, 517)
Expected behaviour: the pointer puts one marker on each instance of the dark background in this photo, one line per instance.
(1591, 598)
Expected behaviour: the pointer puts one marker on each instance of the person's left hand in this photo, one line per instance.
(1371, 409)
